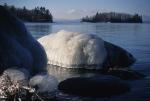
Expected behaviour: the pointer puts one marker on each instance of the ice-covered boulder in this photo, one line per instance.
(74, 50)
(45, 85)
(44, 82)
(77, 50)
(17, 46)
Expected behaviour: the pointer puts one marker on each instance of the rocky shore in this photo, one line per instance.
(24, 74)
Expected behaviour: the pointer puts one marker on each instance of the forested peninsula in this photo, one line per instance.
(38, 14)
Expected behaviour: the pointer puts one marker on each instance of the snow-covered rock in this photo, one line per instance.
(44, 83)
(17, 46)
(74, 50)
(77, 50)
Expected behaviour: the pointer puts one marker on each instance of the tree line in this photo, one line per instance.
(113, 17)
(38, 14)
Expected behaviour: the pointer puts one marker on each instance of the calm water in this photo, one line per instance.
(133, 37)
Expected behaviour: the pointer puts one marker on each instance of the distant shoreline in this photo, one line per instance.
(55, 22)
(114, 22)
(113, 17)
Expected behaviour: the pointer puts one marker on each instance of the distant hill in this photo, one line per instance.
(113, 17)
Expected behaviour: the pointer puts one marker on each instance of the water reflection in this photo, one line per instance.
(63, 73)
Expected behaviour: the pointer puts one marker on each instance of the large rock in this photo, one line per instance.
(76, 50)
(103, 86)
(17, 46)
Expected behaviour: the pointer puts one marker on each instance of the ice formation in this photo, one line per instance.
(74, 50)
(17, 47)
(44, 82)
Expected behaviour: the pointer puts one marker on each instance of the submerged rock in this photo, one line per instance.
(99, 86)
(17, 46)
(76, 50)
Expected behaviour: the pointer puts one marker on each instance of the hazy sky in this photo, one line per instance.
(74, 9)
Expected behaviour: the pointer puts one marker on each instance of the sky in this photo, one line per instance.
(76, 9)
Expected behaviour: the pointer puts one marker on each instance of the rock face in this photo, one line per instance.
(76, 50)
(17, 46)
(94, 86)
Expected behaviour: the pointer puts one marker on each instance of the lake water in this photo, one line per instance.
(133, 37)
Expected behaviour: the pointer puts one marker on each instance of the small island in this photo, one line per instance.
(113, 17)
(38, 14)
